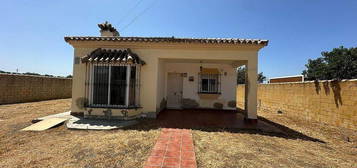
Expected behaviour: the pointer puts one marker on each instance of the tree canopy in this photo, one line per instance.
(340, 63)
(241, 76)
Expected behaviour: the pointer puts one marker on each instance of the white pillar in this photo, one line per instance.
(251, 88)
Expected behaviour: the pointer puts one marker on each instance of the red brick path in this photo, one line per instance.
(173, 149)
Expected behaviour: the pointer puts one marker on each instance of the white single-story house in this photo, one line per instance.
(120, 77)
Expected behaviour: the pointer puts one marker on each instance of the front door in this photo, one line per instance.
(174, 90)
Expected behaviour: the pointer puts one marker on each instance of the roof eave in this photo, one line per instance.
(76, 41)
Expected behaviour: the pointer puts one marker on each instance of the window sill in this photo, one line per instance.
(218, 93)
(209, 95)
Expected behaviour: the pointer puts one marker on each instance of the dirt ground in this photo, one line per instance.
(60, 147)
(303, 144)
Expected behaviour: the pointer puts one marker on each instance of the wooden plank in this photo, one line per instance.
(45, 124)
(58, 115)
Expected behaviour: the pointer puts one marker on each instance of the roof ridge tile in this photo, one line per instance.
(169, 39)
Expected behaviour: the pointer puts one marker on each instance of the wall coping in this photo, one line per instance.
(36, 76)
(305, 82)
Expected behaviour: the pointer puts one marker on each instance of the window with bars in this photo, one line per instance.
(209, 83)
(113, 86)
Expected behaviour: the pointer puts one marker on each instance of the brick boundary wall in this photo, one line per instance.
(16, 88)
(330, 102)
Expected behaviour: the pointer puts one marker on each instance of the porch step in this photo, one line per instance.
(97, 124)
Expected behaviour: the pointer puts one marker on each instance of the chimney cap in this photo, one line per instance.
(106, 26)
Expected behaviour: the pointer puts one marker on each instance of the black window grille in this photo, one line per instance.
(111, 85)
(100, 85)
(118, 85)
(209, 83)
(133, 88)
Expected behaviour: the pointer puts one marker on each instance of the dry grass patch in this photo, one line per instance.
(60, 147)
(224, 149)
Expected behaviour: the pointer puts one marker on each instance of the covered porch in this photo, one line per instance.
(205, 84)
(210, 118)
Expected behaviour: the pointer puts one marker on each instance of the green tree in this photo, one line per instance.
(315, 69)
(32, 73)
(241, 76)
(261, 77)
(340, 63)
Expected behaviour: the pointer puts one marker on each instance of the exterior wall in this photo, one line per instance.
(161, 98)
(110, 113)
(78, 88)
(26, 88)
(190, 88)
(152, 86)
(333, 103)
(148, 86)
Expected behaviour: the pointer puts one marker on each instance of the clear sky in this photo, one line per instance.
(32, 31)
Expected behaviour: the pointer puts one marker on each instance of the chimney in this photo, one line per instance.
(106, 29)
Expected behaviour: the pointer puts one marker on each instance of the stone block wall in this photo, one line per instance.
(26, 88)
(329, 102)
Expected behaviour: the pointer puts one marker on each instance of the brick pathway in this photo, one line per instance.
(173, 149)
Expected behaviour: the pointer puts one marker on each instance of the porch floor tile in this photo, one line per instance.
(174, 148)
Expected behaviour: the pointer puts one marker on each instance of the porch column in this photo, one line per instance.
(251, 90)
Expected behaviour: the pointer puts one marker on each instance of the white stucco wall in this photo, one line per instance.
(161, 85)
(190, 88)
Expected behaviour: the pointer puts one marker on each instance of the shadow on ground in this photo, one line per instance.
(218, 121)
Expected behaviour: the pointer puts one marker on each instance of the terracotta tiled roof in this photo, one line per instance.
(101, 55)
(170, 40)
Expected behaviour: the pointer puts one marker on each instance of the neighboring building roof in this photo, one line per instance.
(283, 79)
(101, 55)
(170, 40)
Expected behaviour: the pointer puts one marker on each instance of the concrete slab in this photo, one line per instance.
(45, 124)
(96, 124)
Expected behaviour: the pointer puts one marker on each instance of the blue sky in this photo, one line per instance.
(32, 31)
